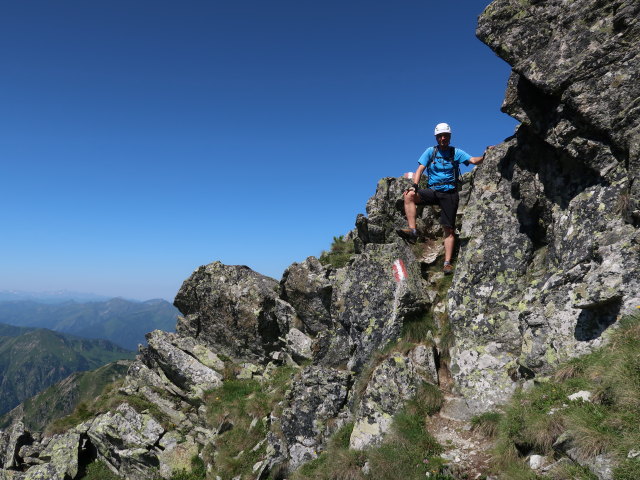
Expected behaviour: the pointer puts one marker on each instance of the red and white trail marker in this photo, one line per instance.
(408, 175)
(399, 271)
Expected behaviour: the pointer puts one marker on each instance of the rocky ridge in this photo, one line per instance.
(548, 263)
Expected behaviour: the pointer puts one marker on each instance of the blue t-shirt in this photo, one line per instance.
(441, 171)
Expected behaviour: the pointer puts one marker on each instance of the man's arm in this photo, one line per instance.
(418, 174)
(479, 160)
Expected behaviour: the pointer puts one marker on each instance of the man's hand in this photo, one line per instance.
(412, 188)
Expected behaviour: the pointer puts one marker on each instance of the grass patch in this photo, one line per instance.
(419, 328)
(340, 253)
(198, 471)
(629, 469)
(99, 471)
(239, 407)
(535, 419)
(487, 423)
(408, 452)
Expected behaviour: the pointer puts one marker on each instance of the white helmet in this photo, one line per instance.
(442, 128)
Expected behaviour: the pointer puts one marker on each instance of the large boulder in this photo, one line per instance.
(180, 366)
(127, 441)
(317, 396)
(374, 295)
(549, 259)
(392, 383)
(234, 310)
(307, 287)
(61, 456)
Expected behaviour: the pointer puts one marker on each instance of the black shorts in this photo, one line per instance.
(448, 202)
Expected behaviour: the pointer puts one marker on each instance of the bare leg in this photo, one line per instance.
(449, 243)
(410, 208)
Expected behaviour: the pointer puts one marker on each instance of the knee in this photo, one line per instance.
(448, 232)
(410, 197)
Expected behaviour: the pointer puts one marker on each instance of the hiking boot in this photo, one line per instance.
(447, 269)
(408, 234)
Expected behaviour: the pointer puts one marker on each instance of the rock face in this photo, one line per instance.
(307, 287)
(393, 383)
(550, 241)
(318, 395)
(370, 304)
(234, 310)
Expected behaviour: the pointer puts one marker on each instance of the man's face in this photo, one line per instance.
(443, 139)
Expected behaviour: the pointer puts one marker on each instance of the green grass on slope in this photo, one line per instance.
(39, 358)
(61, 399)
(534, 419)
(409, 452)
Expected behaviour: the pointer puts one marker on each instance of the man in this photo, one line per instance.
(441, 164)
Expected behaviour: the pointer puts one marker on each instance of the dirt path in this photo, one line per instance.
(466, 450)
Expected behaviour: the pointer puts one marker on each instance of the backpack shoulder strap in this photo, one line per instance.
(432, 157)
(456, 168)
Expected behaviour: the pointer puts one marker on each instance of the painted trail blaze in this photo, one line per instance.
(399, 271)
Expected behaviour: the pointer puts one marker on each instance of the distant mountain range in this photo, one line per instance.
(33, 359)
(124, 322)
(57, 296)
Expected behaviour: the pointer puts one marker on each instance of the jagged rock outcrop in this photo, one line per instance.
(127, 440)
(550, 243)
(234, 310)
(307, 287)
(182, 365)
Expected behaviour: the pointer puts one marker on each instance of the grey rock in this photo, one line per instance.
(153, 385)
(537, 462)
(392, 383)
(183, 369)
(127, 440)
(423, 359)
(307, 287)
(10, 443)
(331, 348)
(318, 394)
(299, 345)
(234, 311)
(456, 408)
(601, 465)
(549, 241)
(61, 455)
(582, 395)
(370, 304)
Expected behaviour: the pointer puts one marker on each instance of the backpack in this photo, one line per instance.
(451, 157)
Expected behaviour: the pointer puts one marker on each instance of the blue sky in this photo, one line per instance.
(142, 139)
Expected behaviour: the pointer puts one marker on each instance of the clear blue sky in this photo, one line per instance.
(142, 139)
